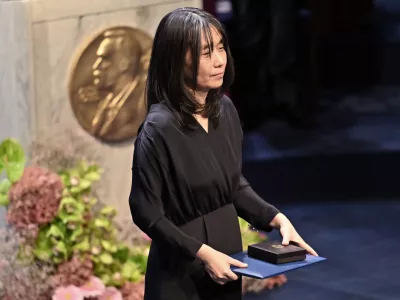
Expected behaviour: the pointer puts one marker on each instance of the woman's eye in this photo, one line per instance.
(207, 53)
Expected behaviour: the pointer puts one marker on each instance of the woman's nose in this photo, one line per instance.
(218, 60)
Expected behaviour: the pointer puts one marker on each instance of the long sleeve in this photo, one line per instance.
(145, 199)
(251, 207)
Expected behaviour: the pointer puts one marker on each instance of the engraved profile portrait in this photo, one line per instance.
(108, 81)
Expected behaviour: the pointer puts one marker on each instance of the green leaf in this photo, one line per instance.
(11, 151)
(84, 184)
(75, 190)
(128, 269)
(96, 261)
(43, 246)
(55, 231)
(83, 246)
(61, 248)
(65, 179)
(92, 201)
(108, 211)
(12, 158)
(92, 176)
(67, 201)
(100, 269)
(71, 210)
(66, 193)
(70, 206)
(14, 170)
(4, 201)
(101, 223)
(122, 254)
(106, 258)
(41, 240)
(70, 218)
(136, 276)
(141, 261)
(76, 233)
(106, 279)
(58, 260)
(117, 282)
(94, 168)
(5, 185)
(108, 246)
(42, 254)
(1, 165)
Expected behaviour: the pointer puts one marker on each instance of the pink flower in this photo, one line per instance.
(34, 198)
(93, 288)
(70, 292)
(111, 293)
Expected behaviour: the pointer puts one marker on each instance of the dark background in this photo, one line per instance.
(331, 162)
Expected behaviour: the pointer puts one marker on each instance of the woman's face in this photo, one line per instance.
(212, 63)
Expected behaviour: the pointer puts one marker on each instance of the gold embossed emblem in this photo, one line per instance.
(107, 83)
(278, 246)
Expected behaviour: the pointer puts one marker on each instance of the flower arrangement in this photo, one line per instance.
(61, 242)
(60, 223)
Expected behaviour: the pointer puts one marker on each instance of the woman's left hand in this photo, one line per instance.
(289, 233)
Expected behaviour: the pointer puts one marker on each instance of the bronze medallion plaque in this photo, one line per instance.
(107, 83)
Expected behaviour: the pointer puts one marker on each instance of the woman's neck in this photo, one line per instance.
(201, 97)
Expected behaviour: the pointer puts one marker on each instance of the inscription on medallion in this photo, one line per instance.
(107, 83)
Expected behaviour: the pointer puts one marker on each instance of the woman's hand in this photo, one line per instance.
(289, 233)
(218, 264)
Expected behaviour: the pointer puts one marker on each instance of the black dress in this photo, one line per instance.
(187, 189)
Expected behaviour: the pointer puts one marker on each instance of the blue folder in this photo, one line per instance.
(261, 269)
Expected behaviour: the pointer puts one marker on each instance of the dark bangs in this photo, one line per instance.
(180, 32)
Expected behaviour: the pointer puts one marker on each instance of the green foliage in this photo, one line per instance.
(80, 228)
(12, 161)
(5, 185)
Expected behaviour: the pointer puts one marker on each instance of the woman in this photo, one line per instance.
(187, 188)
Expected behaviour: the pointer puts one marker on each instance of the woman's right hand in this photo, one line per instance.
(218, 264)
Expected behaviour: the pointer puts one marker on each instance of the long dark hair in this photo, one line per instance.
(180, 31)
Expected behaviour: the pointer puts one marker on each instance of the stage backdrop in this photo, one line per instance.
(73, 71)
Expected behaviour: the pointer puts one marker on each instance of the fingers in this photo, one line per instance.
(223, 276)
(307, 247)
(300, 243)
(304, 245)
(231, 276)
(223, 279)
(237, 263)
(285, 240)
(285, 237)
(220, 281)
(297, 240)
